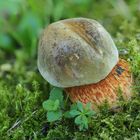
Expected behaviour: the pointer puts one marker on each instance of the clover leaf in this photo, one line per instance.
(54, 115)
(81, 114)
(53, 105)
(50, 105)
(56, 93)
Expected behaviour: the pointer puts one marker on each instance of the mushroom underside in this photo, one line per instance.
(118, 81)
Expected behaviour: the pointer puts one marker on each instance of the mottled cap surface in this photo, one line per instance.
(76, 52)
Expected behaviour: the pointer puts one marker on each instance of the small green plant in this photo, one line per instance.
(82, 115)
(55, 110)
(53, 105)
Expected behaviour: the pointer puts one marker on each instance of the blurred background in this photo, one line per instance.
(22, 89)
(22, 21)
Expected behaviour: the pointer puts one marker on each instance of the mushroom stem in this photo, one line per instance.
(105, 90)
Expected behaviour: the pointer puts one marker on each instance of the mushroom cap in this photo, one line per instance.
(74, 52)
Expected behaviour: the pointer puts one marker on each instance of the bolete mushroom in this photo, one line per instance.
(80, 56)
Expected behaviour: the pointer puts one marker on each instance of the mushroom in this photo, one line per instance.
(80, 56)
